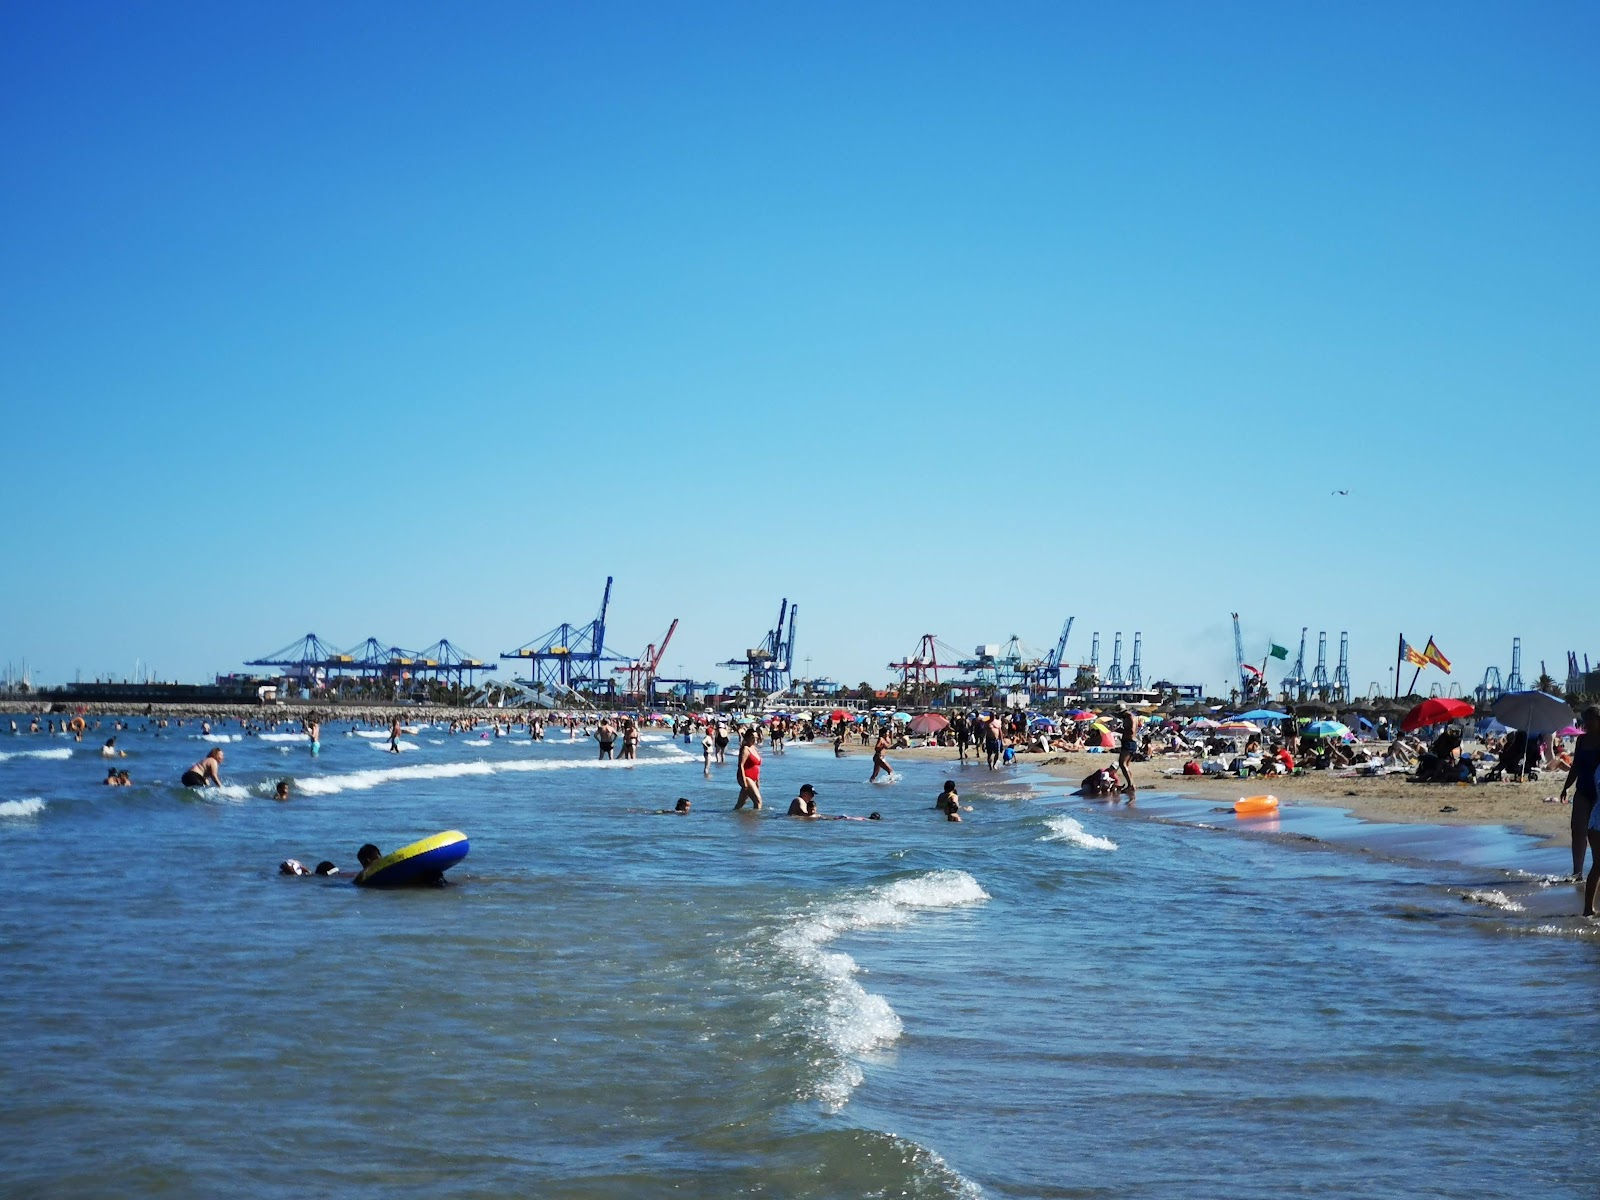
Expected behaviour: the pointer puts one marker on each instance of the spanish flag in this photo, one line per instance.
(1434, 655)
(1411, 654)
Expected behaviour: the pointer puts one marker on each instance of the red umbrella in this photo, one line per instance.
(838, 714)
(1436, 711)
(928, 723)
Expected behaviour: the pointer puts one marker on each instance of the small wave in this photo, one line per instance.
(32, 806)
(358, 781)
(53, 754)
(372, 733)
(281, 737)
(1579, 931)
(1494, 899)
(220, 737)
(1068, 829)
(402, 743)
(847, 1018)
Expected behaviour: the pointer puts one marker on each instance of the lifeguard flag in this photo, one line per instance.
(1279, 651)
(1411, 654)
(1436, 656)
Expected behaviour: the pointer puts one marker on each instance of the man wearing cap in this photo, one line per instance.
(805, 804)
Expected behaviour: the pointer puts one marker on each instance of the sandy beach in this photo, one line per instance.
(1389, 799)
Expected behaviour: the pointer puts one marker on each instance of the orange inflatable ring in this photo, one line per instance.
(77, 725)
(1256, 806)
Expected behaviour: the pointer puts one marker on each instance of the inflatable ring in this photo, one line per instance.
(1256, 806)
(77, 725)
(420, 862)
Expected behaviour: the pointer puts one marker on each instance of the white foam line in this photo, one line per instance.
(1494, 899)
(847, 1018)
(357, 781)
(1069, 829)
(31, 806)
(53, 754)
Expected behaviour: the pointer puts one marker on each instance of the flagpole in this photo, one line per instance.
(1399, 653)
(1414, 678)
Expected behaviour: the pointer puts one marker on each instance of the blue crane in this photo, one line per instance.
(769, 667)
(569, 655)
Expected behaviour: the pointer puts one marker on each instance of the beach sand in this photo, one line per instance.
(1390, 799)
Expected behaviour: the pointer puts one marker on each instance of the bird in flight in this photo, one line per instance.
(1346, 492)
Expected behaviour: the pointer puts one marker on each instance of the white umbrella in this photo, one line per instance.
(1533, 712)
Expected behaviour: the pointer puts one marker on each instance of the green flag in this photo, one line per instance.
(1279, 651)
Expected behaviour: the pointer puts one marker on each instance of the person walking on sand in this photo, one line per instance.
(747, 770)
(1127, 750)
(1581, 779)
(879, 762)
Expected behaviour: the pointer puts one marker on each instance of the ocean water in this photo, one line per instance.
(1053, 998)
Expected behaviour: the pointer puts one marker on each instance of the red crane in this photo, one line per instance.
(643, 669)
(923, 666)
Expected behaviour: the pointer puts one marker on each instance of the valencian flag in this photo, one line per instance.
(1434, 655)
(1279, 651)
(1411, 654)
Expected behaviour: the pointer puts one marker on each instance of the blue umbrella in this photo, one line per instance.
(1261, 714)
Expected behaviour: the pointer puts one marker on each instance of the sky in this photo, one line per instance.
(419, 321)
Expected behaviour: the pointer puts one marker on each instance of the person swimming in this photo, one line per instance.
(282, 792)
(805, 804)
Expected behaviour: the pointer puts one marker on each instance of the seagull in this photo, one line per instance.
(1346, 492)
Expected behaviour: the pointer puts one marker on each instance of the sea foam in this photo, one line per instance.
(64, 752)
(32, 806)
(1494, 899)
(847, 1018)
(1068, 829)
(359, 781)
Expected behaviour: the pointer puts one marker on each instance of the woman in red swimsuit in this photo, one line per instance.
(748, 772)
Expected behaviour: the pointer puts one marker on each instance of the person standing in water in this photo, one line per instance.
(879, 762)
(748, 772)
(1581, 779)
(394, 736)
(313, 734)
(1126, 752)
(606, 735)
(206, 772)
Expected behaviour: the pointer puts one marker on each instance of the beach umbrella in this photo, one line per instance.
(1569, 731)
(1081, 714)
(1326, 729)
(838, 714)
(1101, 738)
(928, 724)
(1241, 727)
(1533, 712)
(1490, 725)
(1043, 723)
(1261, 714)
(901, 716)
(1202, 723)
(1436, 711)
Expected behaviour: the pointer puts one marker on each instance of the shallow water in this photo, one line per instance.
(1050, 999)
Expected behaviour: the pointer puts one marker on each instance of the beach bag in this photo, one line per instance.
(1192, 768)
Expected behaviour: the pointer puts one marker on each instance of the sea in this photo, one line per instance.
(1053, 998)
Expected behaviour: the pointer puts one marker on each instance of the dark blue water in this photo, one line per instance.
(1050, 999)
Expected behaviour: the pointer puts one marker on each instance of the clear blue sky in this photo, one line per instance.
(418, 321)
